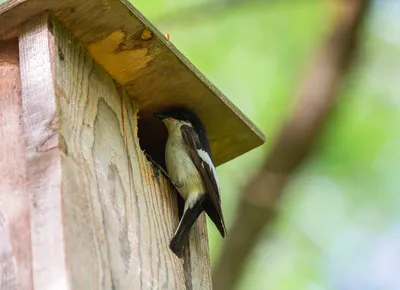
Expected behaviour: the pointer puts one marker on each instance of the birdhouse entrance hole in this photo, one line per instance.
(152, 136)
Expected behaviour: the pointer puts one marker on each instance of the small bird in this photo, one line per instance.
(191, 170)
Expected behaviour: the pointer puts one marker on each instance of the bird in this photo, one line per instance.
(190, 168)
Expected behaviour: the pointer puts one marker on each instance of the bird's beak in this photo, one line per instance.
(159, 116)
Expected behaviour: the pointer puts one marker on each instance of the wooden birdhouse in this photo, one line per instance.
(80, 205)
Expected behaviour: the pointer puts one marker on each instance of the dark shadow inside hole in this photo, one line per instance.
(152, 136)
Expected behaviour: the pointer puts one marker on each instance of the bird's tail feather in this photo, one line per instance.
(188, 219)
(216, 217)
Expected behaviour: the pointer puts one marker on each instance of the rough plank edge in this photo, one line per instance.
(43, 158)
(196, 259)
(14, 198)
(8, 271)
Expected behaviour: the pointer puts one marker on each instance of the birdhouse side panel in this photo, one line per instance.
(15, 240)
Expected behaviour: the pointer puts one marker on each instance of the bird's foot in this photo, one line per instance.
(158, 168)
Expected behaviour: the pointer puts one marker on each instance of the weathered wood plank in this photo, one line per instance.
(44, 174)
(197, 257)
(153, 71)
(109, 219)
(8, 271)
(15, 244)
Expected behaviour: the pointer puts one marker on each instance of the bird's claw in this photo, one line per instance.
(157, 168)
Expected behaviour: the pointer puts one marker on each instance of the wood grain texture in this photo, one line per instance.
(8, 271)
(44, 174)
(196, 257)
(155, 74)
(109, 218)
(15, 244)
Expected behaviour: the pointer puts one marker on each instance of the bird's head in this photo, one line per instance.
(176, 116)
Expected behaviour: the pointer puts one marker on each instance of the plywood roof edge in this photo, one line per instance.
(183, 59)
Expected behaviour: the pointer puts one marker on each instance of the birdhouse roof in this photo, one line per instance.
(144, 62)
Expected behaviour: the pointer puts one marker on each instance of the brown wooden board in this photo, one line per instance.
(15, 238)
(155, 74)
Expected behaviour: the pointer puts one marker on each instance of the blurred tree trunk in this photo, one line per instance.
(294, 143)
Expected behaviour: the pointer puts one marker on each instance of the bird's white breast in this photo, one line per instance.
(180, 166)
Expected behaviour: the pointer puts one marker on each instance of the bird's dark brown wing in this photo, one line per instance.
(202, 161)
